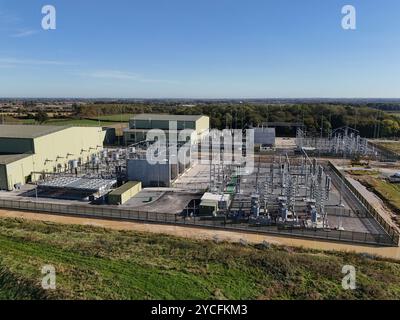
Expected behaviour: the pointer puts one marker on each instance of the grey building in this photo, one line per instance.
(154, 175)
(140, 124)
(264, 137)
(160, 174)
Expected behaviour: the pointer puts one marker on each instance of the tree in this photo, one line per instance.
(41, 116)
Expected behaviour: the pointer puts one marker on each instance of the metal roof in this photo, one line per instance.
(208, 196)
(170, 117)
(27, 131)
(79, 184)
(9, 158)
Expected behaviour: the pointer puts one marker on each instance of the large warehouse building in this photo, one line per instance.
(140, 125)
(26, 151)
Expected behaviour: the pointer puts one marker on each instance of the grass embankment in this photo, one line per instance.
(393, 146)
(389, 192)
(362, 172)
(94, 263)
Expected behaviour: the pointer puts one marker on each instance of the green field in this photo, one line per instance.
(94, 263)
(66, 122)
(115, 117)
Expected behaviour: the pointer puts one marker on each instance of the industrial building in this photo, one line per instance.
(264, 137)
(26, 152)
(141, 124)
(160, 174)
(124, 193)
(114, 133)
(212, 203)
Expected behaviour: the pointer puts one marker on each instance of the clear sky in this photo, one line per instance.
(200, 49)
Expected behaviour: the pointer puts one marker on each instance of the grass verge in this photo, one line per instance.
(96, 263)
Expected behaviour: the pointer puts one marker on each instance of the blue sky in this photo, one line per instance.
(200, 49)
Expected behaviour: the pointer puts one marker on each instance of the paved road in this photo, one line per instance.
(370, 224)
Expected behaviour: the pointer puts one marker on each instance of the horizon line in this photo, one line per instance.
(192, 98)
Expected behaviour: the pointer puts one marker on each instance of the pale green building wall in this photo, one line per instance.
(18, 172)
(202, 125)
(50, 150)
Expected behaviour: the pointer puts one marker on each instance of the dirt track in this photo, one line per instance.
(197, 233)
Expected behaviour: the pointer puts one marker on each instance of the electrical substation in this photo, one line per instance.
(295, 191)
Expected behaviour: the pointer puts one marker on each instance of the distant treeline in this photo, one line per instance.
(316, 117)
(385, 106)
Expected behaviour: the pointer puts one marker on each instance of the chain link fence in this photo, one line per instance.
(391, 232)
(107, 212)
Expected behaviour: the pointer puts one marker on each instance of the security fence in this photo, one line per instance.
(385, 153)
(107, 212)
(392, 233)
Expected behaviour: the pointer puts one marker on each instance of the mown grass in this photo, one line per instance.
(65, 122)
(95, 263)
(124, 117)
